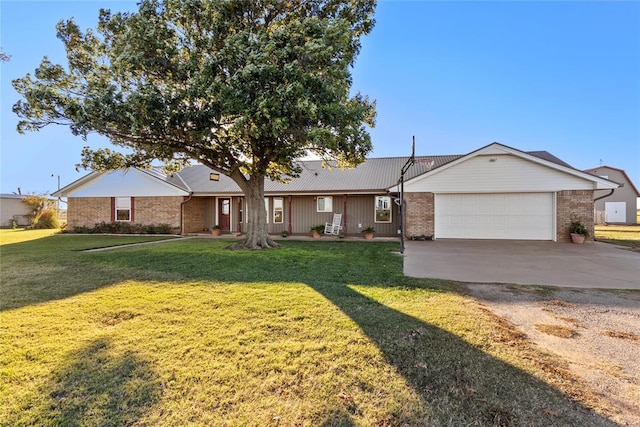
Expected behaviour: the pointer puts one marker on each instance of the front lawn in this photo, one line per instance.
(312, 334)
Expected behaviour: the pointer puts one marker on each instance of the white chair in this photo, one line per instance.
(333, 227)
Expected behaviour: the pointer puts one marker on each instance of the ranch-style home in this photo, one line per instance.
(495, 192)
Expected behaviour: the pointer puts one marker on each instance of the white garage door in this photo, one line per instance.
(517, 216)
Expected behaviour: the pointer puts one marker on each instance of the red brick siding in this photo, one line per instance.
(419, 214)
(574, 205)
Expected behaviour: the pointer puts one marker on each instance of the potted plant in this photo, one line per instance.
(368, 233)
(578, 232)
(215, 230)
(316, 230)
(285, 233)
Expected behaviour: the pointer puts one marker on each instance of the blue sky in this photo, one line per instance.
(557, 76)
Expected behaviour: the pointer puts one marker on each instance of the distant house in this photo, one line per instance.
(495, 192)
(619, 207)
(12, 208)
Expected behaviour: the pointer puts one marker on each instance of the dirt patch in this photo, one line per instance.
(556, 330)
(594, 331)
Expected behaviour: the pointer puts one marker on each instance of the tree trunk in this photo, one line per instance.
(256, 237)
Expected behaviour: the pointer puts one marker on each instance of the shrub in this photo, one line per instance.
(577, 227)
(46, 219)
(125, 228)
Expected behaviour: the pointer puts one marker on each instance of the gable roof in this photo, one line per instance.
(153, 177)
(375, 175)
(540, 157)
(591, 171)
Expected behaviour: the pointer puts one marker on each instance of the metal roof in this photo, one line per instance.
(374, 175)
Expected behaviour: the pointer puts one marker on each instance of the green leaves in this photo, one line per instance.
(216, 81)
(236, 85)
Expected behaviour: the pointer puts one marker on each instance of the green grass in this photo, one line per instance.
(312, 334)
(625, 235)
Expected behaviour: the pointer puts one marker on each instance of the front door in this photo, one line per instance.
(224, 214)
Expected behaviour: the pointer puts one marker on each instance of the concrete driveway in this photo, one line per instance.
(591, 265)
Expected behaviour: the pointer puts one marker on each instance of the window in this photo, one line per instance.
(324, 204)
(383, 209)
(123, 209)
(278, 210)
(226, 206)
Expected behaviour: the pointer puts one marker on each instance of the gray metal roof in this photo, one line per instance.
(374, 175)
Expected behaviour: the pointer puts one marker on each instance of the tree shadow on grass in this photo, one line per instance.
(446, 372)
(456, 382)
(95, 387)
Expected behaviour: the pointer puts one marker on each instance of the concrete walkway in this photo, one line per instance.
(591, 265)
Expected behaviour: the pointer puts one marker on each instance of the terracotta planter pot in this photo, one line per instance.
(577, 238)
(368, 236)
(315, 234)
(215, 232)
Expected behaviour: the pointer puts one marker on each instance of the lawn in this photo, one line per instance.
(626, 235)
(186, 332)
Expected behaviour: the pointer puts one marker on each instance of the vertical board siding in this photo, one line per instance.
(360, 210)
(304, 214)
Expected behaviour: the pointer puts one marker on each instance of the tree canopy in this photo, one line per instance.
(244, 87)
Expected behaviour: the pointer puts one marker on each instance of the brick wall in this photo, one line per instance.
(574, 205)
(419, 214)
(158, 210)
(194, 215)
(88, 211)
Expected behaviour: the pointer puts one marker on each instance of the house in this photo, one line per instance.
(619, 207)
(12, 208)
(495, 192)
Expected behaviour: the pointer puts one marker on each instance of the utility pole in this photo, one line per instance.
(58, 199)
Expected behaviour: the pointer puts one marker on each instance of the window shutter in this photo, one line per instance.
(113, 209)
(133, 209)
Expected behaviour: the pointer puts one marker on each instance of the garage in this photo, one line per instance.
(515, 216)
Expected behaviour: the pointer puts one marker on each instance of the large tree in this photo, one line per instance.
(242, 86)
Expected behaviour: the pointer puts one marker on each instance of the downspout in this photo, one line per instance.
(602, 197)
(289, 226)
(182, 212)
(594, 207)
(344, 214)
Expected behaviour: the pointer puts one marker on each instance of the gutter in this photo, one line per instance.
(606, 195)
(182, 212)
(594, 207)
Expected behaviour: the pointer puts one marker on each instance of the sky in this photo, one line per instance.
(543, 75)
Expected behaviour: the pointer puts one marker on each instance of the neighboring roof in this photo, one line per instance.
(12, 196)
(619, 170)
